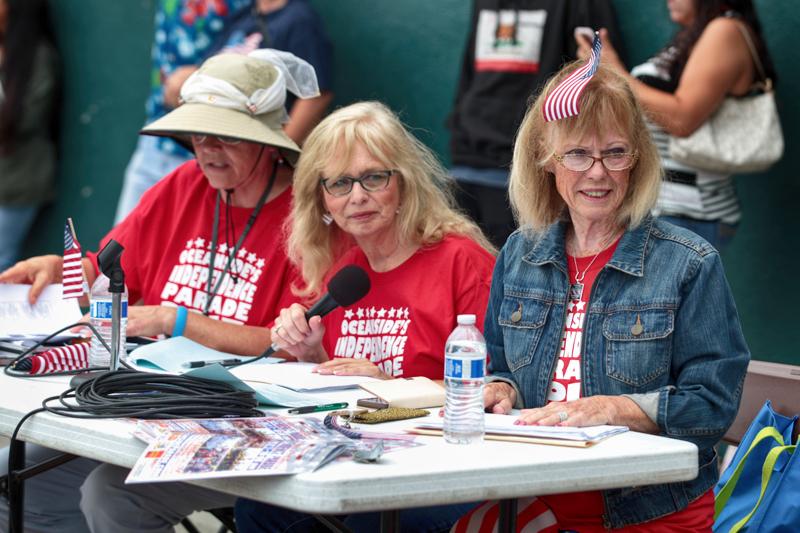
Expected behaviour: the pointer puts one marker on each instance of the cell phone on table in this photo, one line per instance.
(373, 403)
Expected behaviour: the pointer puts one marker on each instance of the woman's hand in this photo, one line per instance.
(297, 336)
(38, 271)
(608, 55)
(591, 411)
(346, 366)
(150, 320)
(499, 397)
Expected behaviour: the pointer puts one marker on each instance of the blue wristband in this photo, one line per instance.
(180, 321)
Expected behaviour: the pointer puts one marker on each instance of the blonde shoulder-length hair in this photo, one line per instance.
(427, 211)
(607, 105)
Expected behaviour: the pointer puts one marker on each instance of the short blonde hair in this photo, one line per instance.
(607, 105)
(427, 209)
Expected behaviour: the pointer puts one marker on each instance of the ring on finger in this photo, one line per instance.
(563, 416)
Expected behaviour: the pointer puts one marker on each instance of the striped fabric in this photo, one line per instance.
(71, 357)
(564, 100)
(72, 274)
(533, 516)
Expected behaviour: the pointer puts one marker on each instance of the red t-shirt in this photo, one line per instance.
(402, 324)
(167, 239)
(583, 511)
(566, 384)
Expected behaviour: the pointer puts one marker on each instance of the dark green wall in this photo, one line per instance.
(407, 54)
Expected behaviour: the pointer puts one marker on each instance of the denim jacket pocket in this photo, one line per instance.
(638, 344)
(522, 320)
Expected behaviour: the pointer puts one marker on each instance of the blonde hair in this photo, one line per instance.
(607, 105)
(427, 213)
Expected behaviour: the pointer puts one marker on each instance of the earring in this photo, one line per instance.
(327, 219)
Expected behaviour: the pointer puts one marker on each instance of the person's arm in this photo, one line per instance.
(305, 115)
(173, 84)
(718, 64)
(153, 320)
(42, 271)
(592, 411)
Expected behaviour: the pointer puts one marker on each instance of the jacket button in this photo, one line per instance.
(516, 316)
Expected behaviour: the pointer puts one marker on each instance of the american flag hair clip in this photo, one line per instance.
(564, 100)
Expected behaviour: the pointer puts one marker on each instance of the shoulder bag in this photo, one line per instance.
(743, 135)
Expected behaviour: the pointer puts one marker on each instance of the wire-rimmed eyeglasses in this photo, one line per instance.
(231, 141)
(582, 162)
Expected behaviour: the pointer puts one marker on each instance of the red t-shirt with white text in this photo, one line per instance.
(403, 322)
(167, 240)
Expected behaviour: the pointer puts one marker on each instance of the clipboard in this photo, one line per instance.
(513, 438)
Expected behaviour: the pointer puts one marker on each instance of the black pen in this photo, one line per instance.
(317, 408)
(200, 364)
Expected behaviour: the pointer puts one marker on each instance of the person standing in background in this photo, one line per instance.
(513, 48)
(29, 90)
(287, 25)
(681, 87)
(184, 32)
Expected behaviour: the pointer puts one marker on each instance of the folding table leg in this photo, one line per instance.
(16, 487)
(390, 521)
(507, 519)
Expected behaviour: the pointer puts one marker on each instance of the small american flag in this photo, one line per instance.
(564, 100)
(72, 275)
(64, 358)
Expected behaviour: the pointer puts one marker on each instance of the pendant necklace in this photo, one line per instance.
(576, 289)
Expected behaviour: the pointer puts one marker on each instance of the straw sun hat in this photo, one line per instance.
(238, 96)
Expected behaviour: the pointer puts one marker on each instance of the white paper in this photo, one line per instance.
(298, 377)
(504, 425)
(19, 320)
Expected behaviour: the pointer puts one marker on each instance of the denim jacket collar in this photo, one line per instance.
(549, 246)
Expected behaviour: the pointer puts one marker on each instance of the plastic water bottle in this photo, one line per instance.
(464, 376)
(100, 303)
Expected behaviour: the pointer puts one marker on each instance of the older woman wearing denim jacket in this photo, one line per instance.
(663, 351)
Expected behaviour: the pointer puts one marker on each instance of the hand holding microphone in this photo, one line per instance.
(300, 332)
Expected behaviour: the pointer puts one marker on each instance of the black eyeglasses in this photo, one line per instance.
(231, 141)
(373, 181)
(614, 161)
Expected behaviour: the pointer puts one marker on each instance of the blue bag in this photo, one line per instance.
(760, 490)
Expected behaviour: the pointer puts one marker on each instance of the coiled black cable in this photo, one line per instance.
(129, 394)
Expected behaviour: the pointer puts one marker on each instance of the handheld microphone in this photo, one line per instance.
(345, 288)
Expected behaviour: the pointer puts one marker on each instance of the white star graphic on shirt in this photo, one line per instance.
(391, 312)
(190, 243)
(348, 314)
(571, 306)
(360, 313)
(405, 312)
(223, 248)
(251, 258)
(372, 312)
(260, 263)
(200, 242)
(242, 252)
(581, 305)
(382, 312)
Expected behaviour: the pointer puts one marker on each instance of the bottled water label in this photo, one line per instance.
(101, 310)
(464, 368)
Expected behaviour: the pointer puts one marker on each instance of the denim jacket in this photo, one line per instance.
(691, 356)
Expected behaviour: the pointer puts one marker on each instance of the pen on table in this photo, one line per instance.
(317, 408)
(199, 364)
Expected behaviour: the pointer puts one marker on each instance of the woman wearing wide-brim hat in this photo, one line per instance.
(226, 209)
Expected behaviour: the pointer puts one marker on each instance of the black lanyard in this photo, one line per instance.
(232, 255)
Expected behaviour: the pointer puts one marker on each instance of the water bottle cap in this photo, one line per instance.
(466, 320)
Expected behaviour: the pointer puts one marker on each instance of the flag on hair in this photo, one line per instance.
(564, 100)
(72, 274)
(61, 359)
